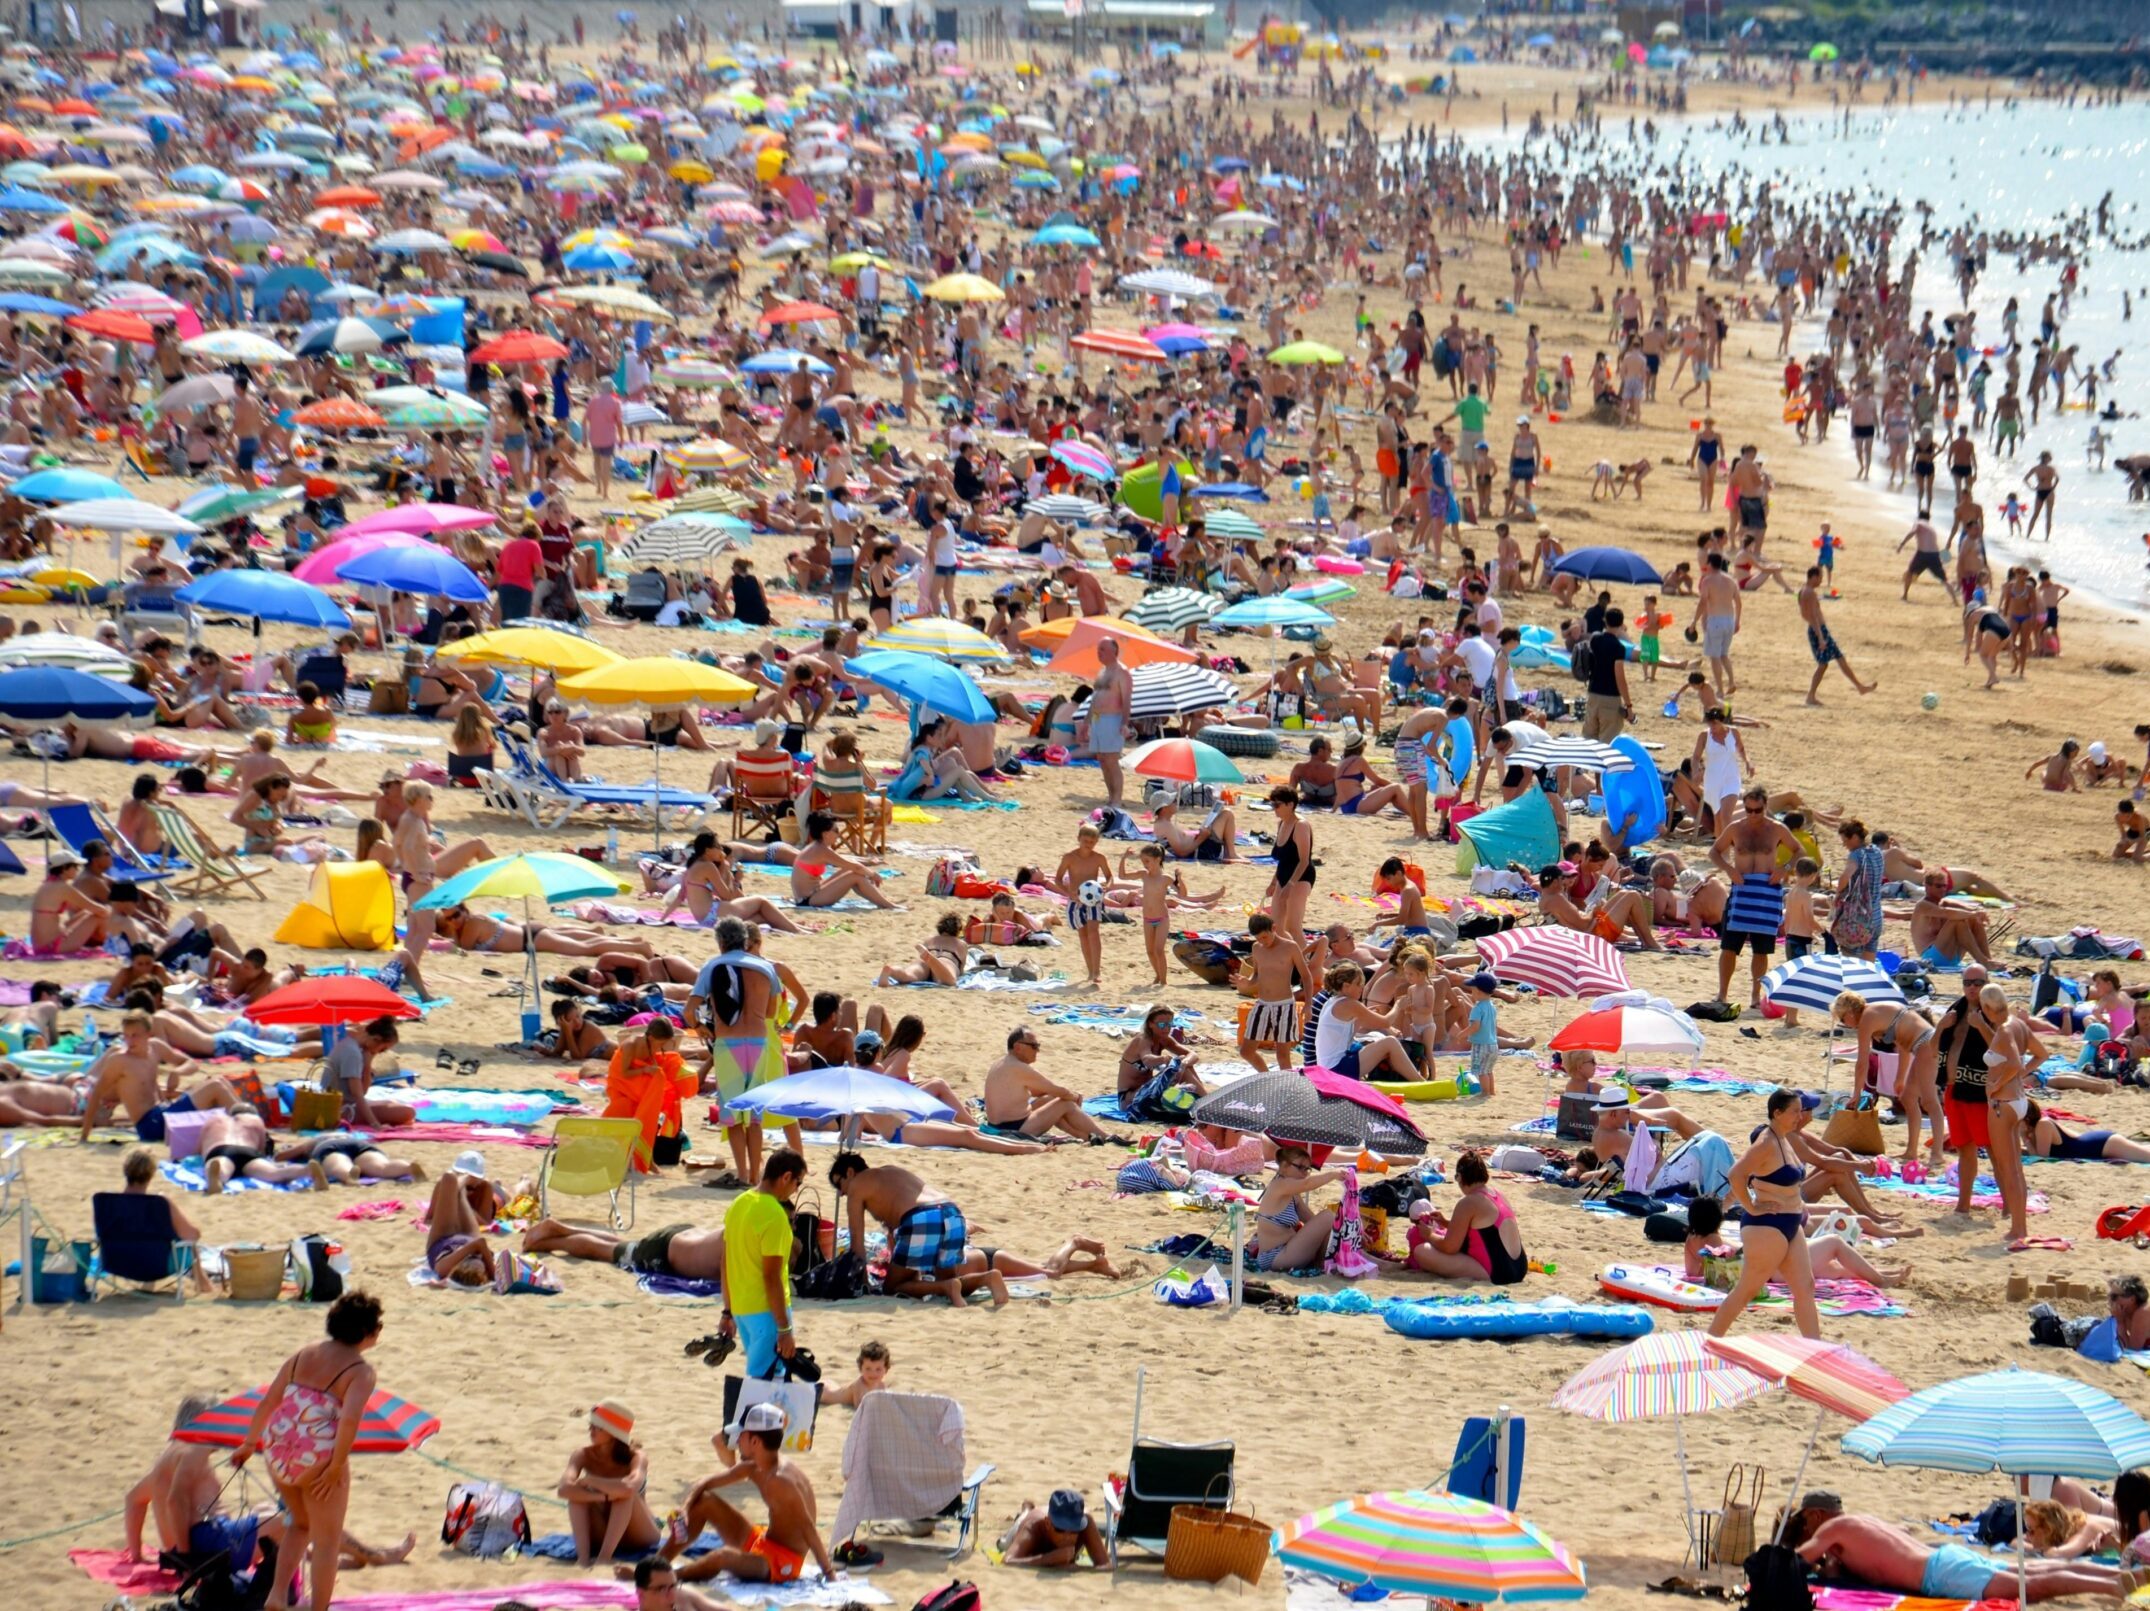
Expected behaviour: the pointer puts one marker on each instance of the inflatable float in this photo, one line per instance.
(1658, 1286)
(1420, 1090)
(1442, 1319)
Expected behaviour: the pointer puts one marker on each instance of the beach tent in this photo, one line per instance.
(1634, 799)
(351, 907)
(1522, 831)
(1142, 488)
(269, 293)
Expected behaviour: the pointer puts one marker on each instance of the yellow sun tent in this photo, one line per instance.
(351, 907)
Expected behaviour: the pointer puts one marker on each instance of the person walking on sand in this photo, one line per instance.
(1765, 1184)
(304, 1427)
(1718, 605)
(1821, 642)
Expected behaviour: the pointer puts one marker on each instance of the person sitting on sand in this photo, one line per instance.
(658, 1588)
(1213, 840)
(456, 1249)
(1830, 1252)
(926, 1231)
(1344, 1018)
(603, 1488)
(1878, 1555)
(1060, 1535)
(2127, 1300)
(774, 1553)
(1581, 1069)
(873, 1363)
(138, 1172)
(1019, 1099)
(824, 875)
(709, 888)
(131, 1075)
(1943, 929)
(1480, 1241)
(1616, 1120)
(1611, 916)
(235, 1146)
(1286, 1235)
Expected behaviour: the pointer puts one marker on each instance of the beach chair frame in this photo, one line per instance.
(1161, 1475)
(762, 813)
(180, 1254)
(585, 1142)
(213, 869)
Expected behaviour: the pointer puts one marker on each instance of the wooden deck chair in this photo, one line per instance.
(216, 871)
(592, 1158)
(861, 820)
(762, 793)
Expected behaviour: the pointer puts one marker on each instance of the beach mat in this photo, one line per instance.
(111, 1566)
(561, 1547)
(186, 1174)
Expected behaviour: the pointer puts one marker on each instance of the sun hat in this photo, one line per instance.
(615, 1418)
(1611, 1099)
(470, 1162)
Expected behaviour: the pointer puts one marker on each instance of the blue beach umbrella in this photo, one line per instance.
(1065, 235)
(1276, 612)
(45, 696)
(1240, 491)
(417, 568)
(1616, 565)
(265, 596)
(63, 485)
(30, 302)
(929, 683)
(783, 361)
(838, 1094)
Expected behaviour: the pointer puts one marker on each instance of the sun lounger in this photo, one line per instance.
(78, 825)
(212, 870)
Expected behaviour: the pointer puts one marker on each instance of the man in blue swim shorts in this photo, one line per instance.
(1877, 1555)
(928, 1238)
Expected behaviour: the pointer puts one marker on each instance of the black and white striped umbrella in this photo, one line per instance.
(1816, 980)
(1586, 753)
(1173, 609)
(1065, 506)
(1173, 688)
(676, 541)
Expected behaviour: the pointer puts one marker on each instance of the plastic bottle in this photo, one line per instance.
(89, 1027)
(612, 846)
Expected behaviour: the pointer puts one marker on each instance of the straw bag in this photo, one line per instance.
(314, 1109)
(1208, 1546)
(1735, 1526)
(1856, 1130)
(254, 1274)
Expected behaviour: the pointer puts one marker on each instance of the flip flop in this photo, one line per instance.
(852, 1553)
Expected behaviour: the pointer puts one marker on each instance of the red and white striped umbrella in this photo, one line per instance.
(1652, 1027)
(1825, 1373)
(1558, 961)
(1120, 344)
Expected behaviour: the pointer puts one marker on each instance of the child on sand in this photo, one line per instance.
(874, 1363)
(1802, 918)
(1421, 1010)
(1156, 909)
(1409, 918)
(1485, 1030)
(1083, 877)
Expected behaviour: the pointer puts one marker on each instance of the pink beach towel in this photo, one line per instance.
(129, 1577)
(555, 1594)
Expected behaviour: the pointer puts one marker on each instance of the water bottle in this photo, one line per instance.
(89, 1027)
(612, 846)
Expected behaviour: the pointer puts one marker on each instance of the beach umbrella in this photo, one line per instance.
(1244, 492)
(708, 453)
(1826, 1374)
(122, 515)
(417, 568)
(1667, 1373)
(1817, 979)
(1084, 459)
(562, 653)
(1244, 219)
(1233, 524)
(1065, 506)
(1443, 1545)
(963, 288)
(1078, 653)
(65, 649)
(518, 347)
(434, 413)
(1555, 961)
(937, 635)
(64, 484)
(1170, 690)
(1168, 283)
(928, 683)
(420, 518)
(1183, 760)
(1305, 352)
(1630, 1023)
(47, 695)
(799, 313)
(658, 681)
(1276, 611)
(339, 414)
(320, 566)
(389, 1426)
(332, 999)
(1313, 1108)
(1550, 754)
(842, 1094)
(237, 346)
(2018, 1422)
(551, 877)
(1065, 235)
(783, 361)
(265, 596)
(1173, 609)
(1120, 344)
(1613, 565)
(1823, 52)
(677, 540)
(1325, 590)
(348, 335)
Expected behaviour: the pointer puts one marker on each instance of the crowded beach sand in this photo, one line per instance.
(1320, 1405)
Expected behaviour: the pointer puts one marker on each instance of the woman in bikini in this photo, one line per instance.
(62, 918)
(824, 875)
(1890, 1026)
(259, 815)
(1294, 848)
(1480, 1241)
(709, 887)
(470, 932)
(307, 1420)
(1361, 791)
(1284, 1238)
(1765, 1184)
(425, 856)
(2012, 1051)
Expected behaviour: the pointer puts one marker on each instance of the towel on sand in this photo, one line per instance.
(186, 1174)
(129, 1577)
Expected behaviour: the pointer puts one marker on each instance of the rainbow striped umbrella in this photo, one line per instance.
(391, 1425)
(1665, 1373)
(1084, 460)
(1443, 1545)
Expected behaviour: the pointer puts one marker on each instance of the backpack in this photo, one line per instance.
(215, 1585)
(833, 1280)
(1579, 659)
(486, 1520)
(1206, 960)
(958, 1596)
(1777, 1580)
(320, 1267)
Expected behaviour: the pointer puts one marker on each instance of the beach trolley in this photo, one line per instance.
(592, 1158)
(1161, 1477)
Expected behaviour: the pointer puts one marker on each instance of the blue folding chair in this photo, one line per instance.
(78, 825)
(137, 1242)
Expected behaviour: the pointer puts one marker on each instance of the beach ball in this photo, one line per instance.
(1931, 702)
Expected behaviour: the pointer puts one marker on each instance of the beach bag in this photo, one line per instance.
(834, 1280)
(1667, 1225)
(486, 1520)
(389, 698)
(1735, 1524)
(956, 1597)
(217, 1584)
(942, 875)
(1207, 960)
(798, 1400)
(320, 1267)
(1777, 1580)
(313, 1108)
(1856, 1130)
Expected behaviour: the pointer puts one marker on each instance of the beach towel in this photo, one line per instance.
(186, 1174)
(491, 1135)
(1840, 1299)
(679, 1286)
(387, 1209)
(813, 1590)
(1984, 1192)
(16, 992)
(503, 1107)
(1835, 1597)
(568, 1594)
(111, 1566)
(993, 979)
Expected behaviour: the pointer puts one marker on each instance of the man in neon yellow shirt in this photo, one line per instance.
(757, 1264)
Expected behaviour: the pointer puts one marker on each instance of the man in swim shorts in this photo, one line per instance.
(674, 1250)
(1747, 852)
(927, 1234)
(775, 1553)
(1868, 1551)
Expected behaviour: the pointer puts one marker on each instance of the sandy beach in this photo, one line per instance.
(1320, 1406)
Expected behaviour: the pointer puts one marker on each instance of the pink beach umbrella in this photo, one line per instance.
(423, 518)
(320, 566)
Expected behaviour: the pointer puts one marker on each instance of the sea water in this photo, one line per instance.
(2004, 168)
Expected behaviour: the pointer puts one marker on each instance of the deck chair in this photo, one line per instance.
(1159, 1476)
(137, 1244)
(903, 1463)
(592, 1158)
(862, 827)
(9, 861)
(144, 460)
(213, 869)
(762, 796)
(1489, 1460)
(327, 672)
(530, 768)
(78, 825)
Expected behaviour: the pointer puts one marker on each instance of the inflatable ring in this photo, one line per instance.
(1657, 1286)
(1247, 743)
(24, 593)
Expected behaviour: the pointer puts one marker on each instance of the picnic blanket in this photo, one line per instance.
(129, 1577)
(1840, 1299)
(1835, 1597)
(186, 1174)
(1116, 1021)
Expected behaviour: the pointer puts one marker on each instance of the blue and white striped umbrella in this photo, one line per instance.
(2023, 1422)
(1816, 980)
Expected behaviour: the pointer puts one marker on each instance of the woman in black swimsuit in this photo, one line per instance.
(881, 585)
(1773, 1242)
(1294, 880)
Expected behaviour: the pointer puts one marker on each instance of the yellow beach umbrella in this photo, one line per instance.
(658, 681)
(964, 288)
(852, 262)
(563, 653)
(690, 172)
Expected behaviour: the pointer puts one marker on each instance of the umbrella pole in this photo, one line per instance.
(533, 1018)
(656, 789)
(1792, 1494)
(2023, 1570)
(1687, 1493)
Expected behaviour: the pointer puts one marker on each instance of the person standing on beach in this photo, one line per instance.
(2044, 482)
(1718, 605)
(1926, 558)
(1111, 698)
(1750, 851)
(1821, 642)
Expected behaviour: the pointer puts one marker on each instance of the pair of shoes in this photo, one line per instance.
(724, 1180)
(852, 1553)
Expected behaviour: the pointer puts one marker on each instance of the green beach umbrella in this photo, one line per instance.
(1822, 53)
(1305, 352)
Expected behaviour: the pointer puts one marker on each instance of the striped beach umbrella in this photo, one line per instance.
(710, 501)
(1276, 612)
(1174, 690)
(1084, 460)
(708, 453)
(390, 1426)
(1443, 1545)
(1664, 1373)
(937, 635)
(1231, 523)
(1557, 961)
(1653, 1028)
(1586, 753)
(677, 541)
(1120, 344)
(1183, 760)
(1826, 1373)
(2020, 1422)
(1817, 979)
(1326, 590)
(1066, 506)
(1173, 609)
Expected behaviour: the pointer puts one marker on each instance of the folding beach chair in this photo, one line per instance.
(592, 1158)
(1159, 1476)
(77, 825)
(213, 870)
(137, 1244)
(904, 1463)
(762, 796)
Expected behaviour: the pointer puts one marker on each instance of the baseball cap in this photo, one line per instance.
(1484, 981)
(470, 1162)
(1065, 1511)
(867, 1040)
(763, 1418)
(1810, 1100)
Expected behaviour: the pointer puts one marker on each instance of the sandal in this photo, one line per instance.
(725, 1180)
(441, 1059)
(701, 1345)
(852, 1553)
(720, 1352)
(467, 1067)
